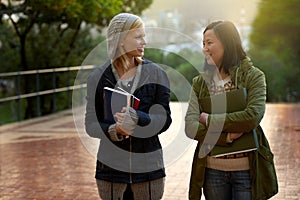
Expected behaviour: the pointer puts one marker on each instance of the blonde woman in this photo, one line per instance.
(130, 153)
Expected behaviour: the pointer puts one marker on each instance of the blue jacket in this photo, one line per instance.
(138, 158)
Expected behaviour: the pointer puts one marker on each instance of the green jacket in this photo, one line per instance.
(262, 170)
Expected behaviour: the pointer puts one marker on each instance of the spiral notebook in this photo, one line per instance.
(247, 142)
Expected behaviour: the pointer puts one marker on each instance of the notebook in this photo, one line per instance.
(114, 100)
(227, 102)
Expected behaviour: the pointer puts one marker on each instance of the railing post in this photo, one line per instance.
(69, 90)
(38, 102)
(19, 96)
(54, 91)
(81, 92)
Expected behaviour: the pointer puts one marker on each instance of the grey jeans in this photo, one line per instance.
(150, 190)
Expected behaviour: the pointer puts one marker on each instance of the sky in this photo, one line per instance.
(204, 11)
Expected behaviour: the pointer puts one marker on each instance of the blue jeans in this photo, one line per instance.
(223, 185)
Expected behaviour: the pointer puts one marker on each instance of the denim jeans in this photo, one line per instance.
(227, 185)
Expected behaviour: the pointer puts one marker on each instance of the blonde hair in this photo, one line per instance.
(122, 60)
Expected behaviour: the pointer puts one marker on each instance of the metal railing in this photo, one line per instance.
(38, 93)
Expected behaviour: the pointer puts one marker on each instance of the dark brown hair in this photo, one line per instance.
(229, 36)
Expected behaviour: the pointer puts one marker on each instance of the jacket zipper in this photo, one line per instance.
(130, 160)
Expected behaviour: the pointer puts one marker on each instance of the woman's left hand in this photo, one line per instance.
(126, 119)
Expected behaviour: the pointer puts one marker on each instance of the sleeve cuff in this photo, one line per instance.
(114, 136)
(133, 115)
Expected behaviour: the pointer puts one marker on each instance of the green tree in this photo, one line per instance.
(49, 33)
(275, 47)
(34, 16)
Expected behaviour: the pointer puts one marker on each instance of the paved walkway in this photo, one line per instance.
(46, 158)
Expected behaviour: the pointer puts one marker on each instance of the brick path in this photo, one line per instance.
(44, 158)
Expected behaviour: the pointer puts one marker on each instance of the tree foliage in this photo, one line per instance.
(60, 17)
(37, 34)
(275, 47)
